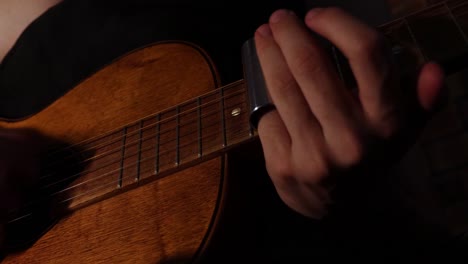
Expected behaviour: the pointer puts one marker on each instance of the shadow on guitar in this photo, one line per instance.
(46, 198)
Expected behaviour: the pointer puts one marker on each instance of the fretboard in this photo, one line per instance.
(157, 146)
(437, 33)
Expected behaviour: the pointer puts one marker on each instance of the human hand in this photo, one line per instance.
(19, 168)
(319, 127)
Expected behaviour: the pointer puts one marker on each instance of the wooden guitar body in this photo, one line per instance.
(131, 202)
(168, 220)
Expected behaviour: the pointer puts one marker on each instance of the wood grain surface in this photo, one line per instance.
(163, 221)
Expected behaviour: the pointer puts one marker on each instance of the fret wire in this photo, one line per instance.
(200, 141)
(103, 135)
(418, 45)
(459, 4)
(95, 139)
(207, 136)
(214, 145)
(159, 119)
(105, 185)
(188, 135)
(237, 132)
(223, 119)
(177, 136)
(158, 137)
(212, 124)
(124, 139)
(125, 142)
(140, 142)
(207, 116)
(463, 14)
(455, 20)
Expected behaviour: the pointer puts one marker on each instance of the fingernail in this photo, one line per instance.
(264, 30)
(279, 15)
(313, 13)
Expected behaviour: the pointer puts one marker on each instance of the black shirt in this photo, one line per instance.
(77, 37)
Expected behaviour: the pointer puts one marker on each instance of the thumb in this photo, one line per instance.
(430, 83)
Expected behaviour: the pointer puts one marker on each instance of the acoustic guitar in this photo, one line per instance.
(138, 169)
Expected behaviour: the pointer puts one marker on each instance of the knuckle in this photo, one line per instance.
(355, 153)
(351, 150)
(387, 125)
(321, 170)
(281, 170)
(308, 61)
(313, 170)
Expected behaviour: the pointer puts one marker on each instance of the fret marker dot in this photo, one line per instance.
(236, 112)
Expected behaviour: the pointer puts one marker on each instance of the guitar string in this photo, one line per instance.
(218, 100)
(138, 151)
(453, 17)
(153, 115)
(239, 132)
(461, 15)
(424, 11)
(166, 119)
(236, 133)
(95, 190)
(109, 133)
(208, 136)
(137, 132)
(462, 4)
(151, 126)
(150, 137)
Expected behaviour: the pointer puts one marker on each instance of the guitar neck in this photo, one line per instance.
(207, 126)
(157, 146)
(437, 33)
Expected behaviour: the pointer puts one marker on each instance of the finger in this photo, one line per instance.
(323, 90)
(284, 91)
(363, 46)
(275, 128)
(431, 81)
(275, 139)
(308, 199)
(296, 131)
